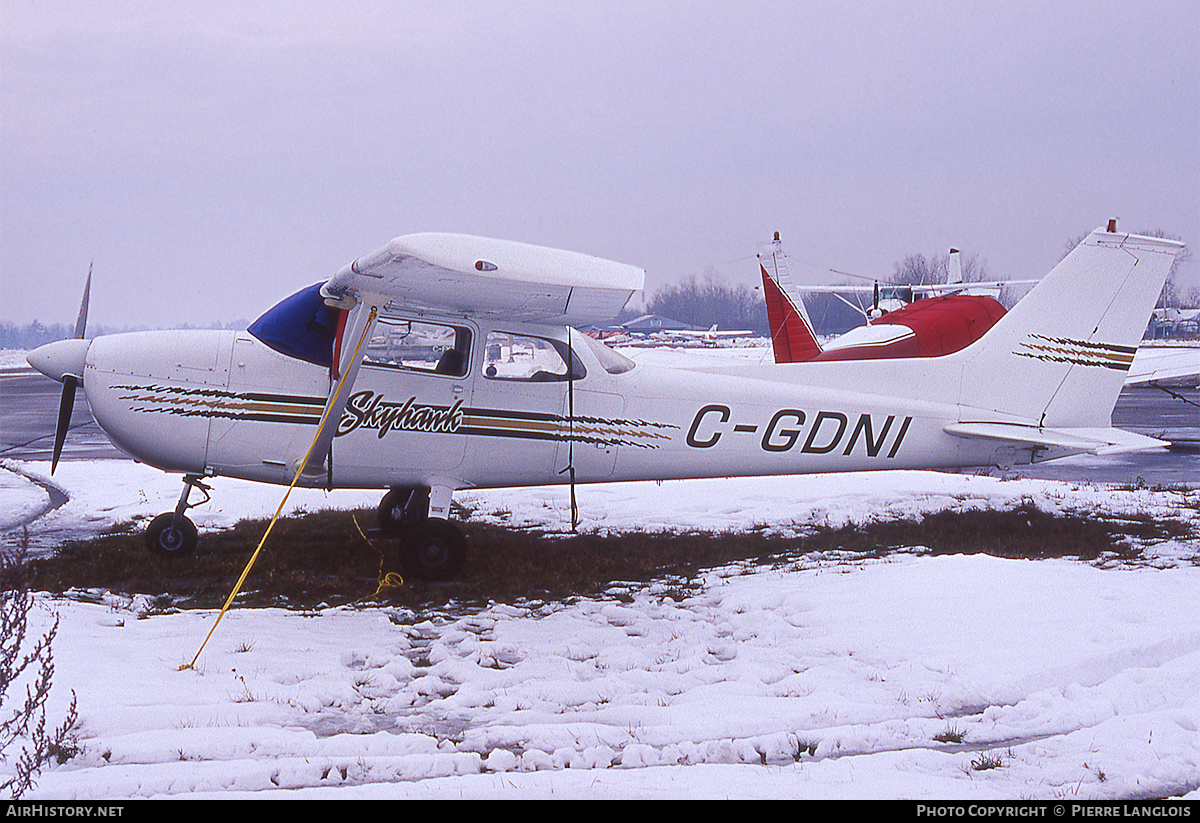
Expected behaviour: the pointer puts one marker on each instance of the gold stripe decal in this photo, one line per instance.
(584, 430)
(1077, 352)
(369, 411)
(223, 404)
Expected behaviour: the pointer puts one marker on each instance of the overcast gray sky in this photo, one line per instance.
(212, 157)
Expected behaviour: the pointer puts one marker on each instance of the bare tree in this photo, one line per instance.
(703, 301)
(916, 270)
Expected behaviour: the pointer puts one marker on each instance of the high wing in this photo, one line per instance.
(922, 289)
(953, 285)
(463, 275)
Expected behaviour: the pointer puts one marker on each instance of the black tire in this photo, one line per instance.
(403, 508)
(433, 550)
(170, 540)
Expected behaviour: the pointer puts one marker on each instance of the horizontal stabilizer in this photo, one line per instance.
(1179, 366)
(1081, 440)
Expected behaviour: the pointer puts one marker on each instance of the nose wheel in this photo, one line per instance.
(172, 534)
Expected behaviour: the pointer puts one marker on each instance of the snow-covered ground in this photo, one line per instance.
(825, 677)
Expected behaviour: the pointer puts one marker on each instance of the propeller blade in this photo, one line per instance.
(65, 406)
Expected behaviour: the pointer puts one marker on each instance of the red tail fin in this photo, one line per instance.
(791, 334)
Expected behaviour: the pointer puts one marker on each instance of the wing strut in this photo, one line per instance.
(356, 323)
(571, 430)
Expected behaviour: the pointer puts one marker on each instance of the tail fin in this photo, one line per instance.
(792, 334)
(1071, 340)
(954, 268)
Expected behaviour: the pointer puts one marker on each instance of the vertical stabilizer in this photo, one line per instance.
(1071, 340)
(792, 335)
(954, 268)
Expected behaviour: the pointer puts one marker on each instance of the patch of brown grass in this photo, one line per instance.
(322, 557)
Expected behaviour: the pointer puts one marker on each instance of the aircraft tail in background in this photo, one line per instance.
(792, 335)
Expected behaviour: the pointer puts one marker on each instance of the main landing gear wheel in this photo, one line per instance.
(403, 508)
(433, 550)
(171, 535)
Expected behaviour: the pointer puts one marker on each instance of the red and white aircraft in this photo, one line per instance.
(443, 362)
(929, 327)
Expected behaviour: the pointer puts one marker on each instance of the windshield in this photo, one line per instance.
(300, 326)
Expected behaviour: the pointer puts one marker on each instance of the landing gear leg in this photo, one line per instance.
(172, 534)
(431, 548)
(402, 508)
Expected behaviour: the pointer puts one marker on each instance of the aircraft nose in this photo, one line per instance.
(61, 358)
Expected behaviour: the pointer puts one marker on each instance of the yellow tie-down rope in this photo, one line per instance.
(388, 581)
(303, 463)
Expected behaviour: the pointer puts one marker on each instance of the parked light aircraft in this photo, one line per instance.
(707, 338)
(890, 297)
(928, 327)
(446, 362)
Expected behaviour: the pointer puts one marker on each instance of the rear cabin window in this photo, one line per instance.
(613, 362)
(509, 356)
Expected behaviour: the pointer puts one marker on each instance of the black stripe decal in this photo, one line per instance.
(1085, 344)
(294, 399)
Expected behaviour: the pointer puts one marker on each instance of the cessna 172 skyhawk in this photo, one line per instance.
(445, 362)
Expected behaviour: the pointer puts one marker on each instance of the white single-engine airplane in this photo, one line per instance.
(446, 362)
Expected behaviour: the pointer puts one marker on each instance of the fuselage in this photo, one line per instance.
(225, 403)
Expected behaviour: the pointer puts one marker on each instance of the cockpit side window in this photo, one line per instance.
(419, 345)
(300, 326)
